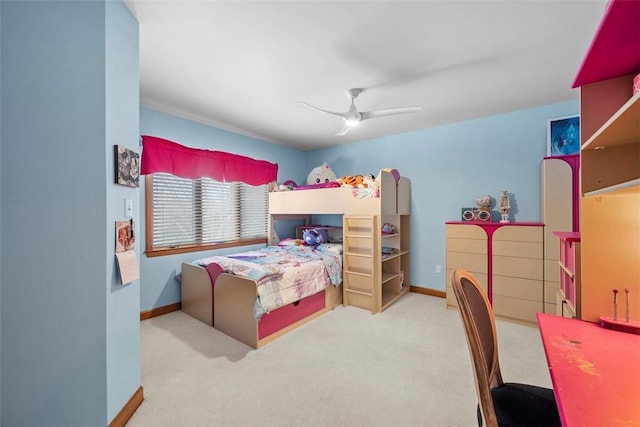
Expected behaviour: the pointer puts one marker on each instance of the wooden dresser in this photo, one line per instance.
(507, 258)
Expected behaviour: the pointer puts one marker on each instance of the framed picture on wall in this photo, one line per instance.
(127, 166)
(563, 136)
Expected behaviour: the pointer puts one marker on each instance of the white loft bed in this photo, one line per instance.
(394, 199)
(227, 301)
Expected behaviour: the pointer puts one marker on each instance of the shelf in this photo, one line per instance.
(625, 188)
(566, 270)
(622, 128)
(387, 277)
(387, 257)
(370, 282)
(614, 168)
(610, 167)
(389, 297)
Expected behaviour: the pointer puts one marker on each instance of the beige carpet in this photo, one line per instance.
(407, 366)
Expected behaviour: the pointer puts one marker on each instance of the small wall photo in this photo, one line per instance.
(563, 136)
(127, 166)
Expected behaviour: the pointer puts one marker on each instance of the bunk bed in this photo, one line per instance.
(227, 301)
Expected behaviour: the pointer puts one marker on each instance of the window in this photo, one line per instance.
(185, 215)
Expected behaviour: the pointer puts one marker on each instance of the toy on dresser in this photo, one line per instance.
(504, 206)
(480, 213)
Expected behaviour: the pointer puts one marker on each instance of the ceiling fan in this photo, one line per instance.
(353, 117)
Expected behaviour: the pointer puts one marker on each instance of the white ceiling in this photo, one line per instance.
(244, 65)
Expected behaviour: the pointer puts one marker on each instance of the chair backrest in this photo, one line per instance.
(479, 324)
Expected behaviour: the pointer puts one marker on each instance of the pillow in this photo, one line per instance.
(335, 248)
(291, 242)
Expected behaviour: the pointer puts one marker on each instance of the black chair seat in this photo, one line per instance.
(525, 405)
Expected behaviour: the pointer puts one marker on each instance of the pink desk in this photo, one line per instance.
(595, 372)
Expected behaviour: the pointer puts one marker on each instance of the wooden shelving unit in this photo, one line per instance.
(610, 156)
(373, 280)
(568, 297)
(560, 213)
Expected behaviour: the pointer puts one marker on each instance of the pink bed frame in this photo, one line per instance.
(226, 302)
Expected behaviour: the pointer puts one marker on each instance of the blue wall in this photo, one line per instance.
(158, 286)
(63, 318)
(449, 167)
(122, 128)
(0, 213)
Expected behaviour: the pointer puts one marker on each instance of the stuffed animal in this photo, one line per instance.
(369, 181)
(314, 236)
(321, 175)
(351, 181)
(388, 228)
(357, 181)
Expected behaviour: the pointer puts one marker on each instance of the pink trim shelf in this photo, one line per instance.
(569, 236)
(568, 282)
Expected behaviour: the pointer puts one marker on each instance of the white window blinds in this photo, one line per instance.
(192, 212)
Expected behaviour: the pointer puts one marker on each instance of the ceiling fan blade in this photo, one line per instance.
(344, 131)
(343, 115)
(390, 112)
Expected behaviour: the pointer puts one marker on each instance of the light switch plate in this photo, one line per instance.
(128, 208)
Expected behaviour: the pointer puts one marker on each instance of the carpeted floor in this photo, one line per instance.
(407, 366)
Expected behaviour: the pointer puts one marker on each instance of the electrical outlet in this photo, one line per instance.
(438, 268)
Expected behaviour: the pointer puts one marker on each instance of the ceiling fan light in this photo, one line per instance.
(352, 122)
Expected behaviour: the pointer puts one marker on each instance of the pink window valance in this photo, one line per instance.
(162, 155)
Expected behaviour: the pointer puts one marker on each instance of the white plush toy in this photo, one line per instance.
(321, 174)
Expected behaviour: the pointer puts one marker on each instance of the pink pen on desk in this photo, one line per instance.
(615, 304)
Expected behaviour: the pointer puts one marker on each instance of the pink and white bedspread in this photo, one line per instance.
(284, 274)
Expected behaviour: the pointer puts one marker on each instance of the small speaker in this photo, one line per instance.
(484, 214)
(468, 214)
(476, 214)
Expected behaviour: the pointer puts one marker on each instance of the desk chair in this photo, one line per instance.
(500, 403)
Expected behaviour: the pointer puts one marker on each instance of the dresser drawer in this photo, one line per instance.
(516, 308)
(474, 263)
(519, 234)
(527, 268)
(550, 291)
(473, 246)
(518, 288)
(518, 249)
(465, 231)
(551, 270)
